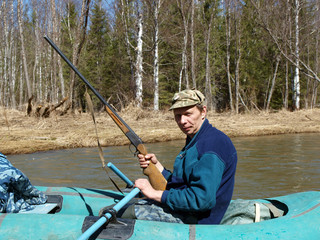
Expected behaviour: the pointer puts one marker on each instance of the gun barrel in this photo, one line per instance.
(131, 135)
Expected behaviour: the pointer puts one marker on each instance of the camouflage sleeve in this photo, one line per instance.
(16, 191)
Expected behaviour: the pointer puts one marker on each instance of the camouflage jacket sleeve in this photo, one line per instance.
(16, 191)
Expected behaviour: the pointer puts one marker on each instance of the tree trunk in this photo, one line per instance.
(23, 52)
(54, 96)
(184, 68)
(296, 79)
(7, 91)
(288, 33)
(21, 100)
(316, 84)
(139, 61)
(286, 90)
(273, 83)
(193, 74)
(208, 88)
(228, 38)
(157, 6)
(36, 58)
(13, 71)
(79, 41)
(237, 67)
(127, 41)
(5, 84)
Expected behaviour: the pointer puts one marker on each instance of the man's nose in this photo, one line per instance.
(183, 119)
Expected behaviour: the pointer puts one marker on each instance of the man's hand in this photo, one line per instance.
(147, 190)
(144, 161)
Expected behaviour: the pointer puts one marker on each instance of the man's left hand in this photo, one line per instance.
(147, 190)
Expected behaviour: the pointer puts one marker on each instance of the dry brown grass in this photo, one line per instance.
(22, 134)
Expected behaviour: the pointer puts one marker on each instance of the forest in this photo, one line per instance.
(244, 55)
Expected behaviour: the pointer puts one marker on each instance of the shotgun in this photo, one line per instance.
(156, 179)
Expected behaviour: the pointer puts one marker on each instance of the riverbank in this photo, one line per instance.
(22, 134)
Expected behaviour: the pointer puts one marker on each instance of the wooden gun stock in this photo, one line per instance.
(156, 179)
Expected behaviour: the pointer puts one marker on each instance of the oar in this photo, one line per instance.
(116, 208)
(120, 174)
(107, 216)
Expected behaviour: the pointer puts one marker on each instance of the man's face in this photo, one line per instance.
(189, 119)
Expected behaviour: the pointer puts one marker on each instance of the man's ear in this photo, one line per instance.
(204, 112)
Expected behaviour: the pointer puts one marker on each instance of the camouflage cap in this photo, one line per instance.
(187, 98)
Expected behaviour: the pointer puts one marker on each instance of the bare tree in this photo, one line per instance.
(228, 40)
(208, 14)
(185, 16)
(289, 46)
(78, 42)
(315, 84)
(23, 52)
(57, 73)
(273, 83)
(124, 18)
(193, 74)
(12, 59)
(4, 83)
(237, 20)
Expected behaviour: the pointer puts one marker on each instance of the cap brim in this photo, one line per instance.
(179, 105)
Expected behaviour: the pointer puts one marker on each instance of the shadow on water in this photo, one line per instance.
(267, 165)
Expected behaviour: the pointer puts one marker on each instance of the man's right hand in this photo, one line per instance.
(144, 161)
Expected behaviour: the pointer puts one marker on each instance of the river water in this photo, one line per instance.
(267, 165)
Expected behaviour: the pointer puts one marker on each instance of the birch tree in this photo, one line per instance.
(296, 79)
(136, 65)
(273, 83)
(208, 13)
(157, 5)
(237, 20)
(185, 16)
(228, 42)
(193, 74)
(23, 52)
(4, 83)
(139, 60)
(12, 58)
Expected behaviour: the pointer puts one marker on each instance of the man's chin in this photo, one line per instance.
(189, 133)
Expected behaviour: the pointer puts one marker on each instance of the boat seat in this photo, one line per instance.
(55, 199)
(52, 205)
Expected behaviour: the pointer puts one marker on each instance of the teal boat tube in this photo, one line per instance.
(76, 209)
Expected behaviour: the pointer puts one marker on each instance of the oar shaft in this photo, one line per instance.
(120, 174)
(103, 219)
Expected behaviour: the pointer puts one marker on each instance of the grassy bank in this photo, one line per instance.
(22, 134)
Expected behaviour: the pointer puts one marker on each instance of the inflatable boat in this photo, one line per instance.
(70, 212)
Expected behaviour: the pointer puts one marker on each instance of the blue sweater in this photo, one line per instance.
(203, 176)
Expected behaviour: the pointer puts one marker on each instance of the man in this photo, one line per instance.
(200, 188)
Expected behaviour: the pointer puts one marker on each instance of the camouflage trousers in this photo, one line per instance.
(154, 211)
